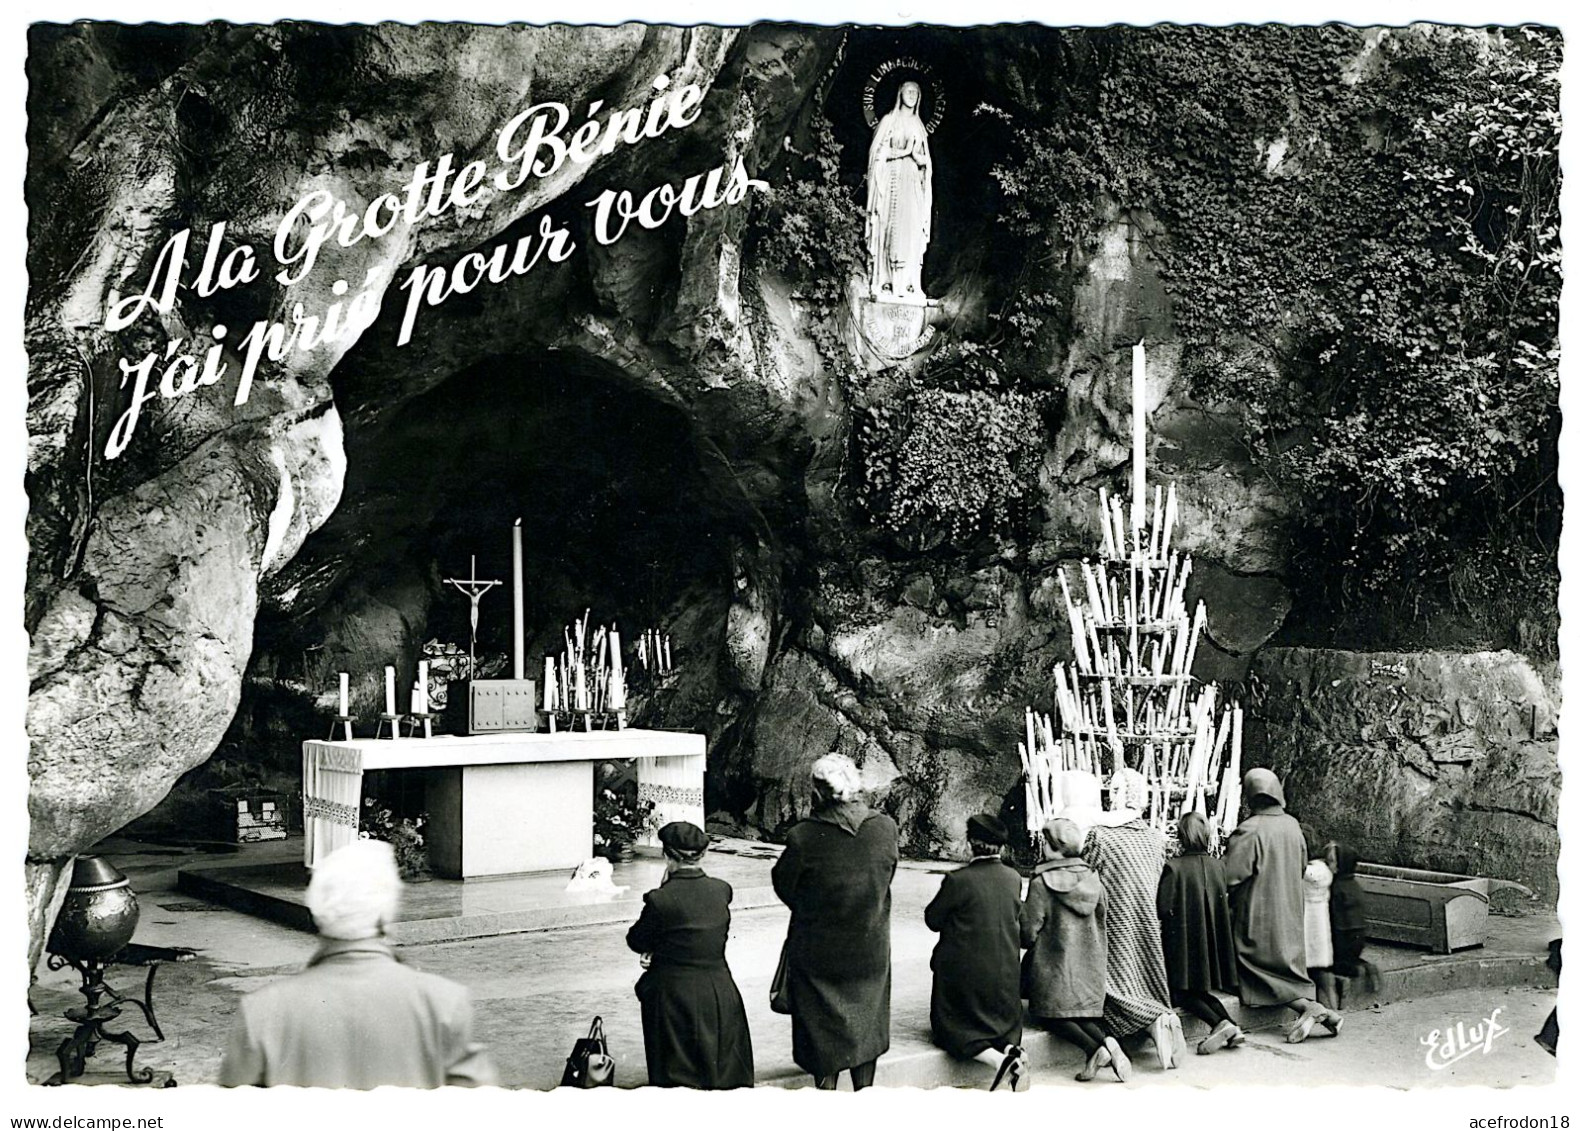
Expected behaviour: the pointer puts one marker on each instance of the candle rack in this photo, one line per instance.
(572, 720)
(1128, 706)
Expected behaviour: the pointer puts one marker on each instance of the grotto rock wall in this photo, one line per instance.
(1436, 760)
(144, 572)
(150, 575)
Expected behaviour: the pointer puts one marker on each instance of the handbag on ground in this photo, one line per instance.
(589, 1065)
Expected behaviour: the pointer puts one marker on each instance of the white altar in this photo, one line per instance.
(503, 803)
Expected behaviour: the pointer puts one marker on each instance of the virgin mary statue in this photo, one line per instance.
(899, 200)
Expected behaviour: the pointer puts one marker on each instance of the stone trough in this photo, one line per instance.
(1441, 911)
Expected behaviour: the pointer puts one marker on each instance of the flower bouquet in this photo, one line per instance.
(404, 834)
(619, 819)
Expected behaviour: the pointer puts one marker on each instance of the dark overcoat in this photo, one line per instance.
(694, 1027)
(1198, 938)
(1063, 926)
(976, 964)
(1263, 868)
(1347, 911)
(834, 875)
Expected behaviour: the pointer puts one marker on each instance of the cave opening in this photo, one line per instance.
(619, 514)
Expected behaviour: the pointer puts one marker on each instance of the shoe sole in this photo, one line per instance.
(1013, 1064)
(1121, 1066)
(1163, 1044)
(1214, 1041)
(1301, 1030)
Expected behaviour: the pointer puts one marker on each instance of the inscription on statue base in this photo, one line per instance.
(892, 331)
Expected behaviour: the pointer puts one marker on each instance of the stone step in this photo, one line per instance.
(1055, 1059)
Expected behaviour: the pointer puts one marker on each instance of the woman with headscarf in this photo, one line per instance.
(834, 875)
(694, 1027)
(975, 1010)
(1128, 857)
(356, 1017)
(899, 198)
(1263, 869)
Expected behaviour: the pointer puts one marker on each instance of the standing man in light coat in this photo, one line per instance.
(356, 1017)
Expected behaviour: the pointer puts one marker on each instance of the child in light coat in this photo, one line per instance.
(1318, 884)
(1063, 926)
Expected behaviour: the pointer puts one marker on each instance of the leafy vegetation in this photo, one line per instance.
(1359, 234)
(1362, 250)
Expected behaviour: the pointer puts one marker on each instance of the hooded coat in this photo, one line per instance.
(1263, 867)
(976, 964)
(1063, 926)
(834, 875)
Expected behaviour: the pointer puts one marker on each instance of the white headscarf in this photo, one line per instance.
(837, 776)
(1083, 794)
(355, 890)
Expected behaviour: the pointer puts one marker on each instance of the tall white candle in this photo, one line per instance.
(548, 683)
(345, 694)
(422, 686)
(518, 625)
(389, 690)
(1138, 439)
(616, 673)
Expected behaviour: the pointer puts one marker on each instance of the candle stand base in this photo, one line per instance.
(344, 721)
(585, 720)
(394, 725)
(420, 721)
(91, 1020)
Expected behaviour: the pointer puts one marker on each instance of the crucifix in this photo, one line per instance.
(473, 588)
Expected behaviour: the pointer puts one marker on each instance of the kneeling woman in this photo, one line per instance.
(1063, 926)
(693, 1022)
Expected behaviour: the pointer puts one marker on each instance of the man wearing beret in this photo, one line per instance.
(976, 1009)
(693, 1020)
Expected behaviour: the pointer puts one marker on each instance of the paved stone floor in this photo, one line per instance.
(535, 992)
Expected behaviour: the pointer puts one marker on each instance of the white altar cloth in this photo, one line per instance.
(502, 803)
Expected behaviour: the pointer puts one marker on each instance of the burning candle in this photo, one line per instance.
(389, 690)
(345, 694)
(518, 625)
